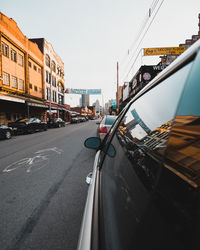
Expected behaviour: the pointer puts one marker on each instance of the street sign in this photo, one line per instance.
(163, 51)
(84, 91)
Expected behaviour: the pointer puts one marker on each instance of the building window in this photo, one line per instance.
(47, 60)
(35, 88)
(58, 70)
(60, 99)
(47, 76)
(8, 116)
(53, 66)
(13, 55)
(40, 90)
(20, 59)
(14, 82)
(60, 88)
(21, 84)
(29, 64)
(34, 67)
(47, 93)
(54, 96)
(30, 86)
(39, 70)
(5, 49)
(54, 81)
(6, 79)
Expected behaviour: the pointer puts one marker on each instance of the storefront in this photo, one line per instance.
(13, 108)
(36, 109)
(57, 111)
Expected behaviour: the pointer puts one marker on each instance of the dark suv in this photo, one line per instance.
(144, 192)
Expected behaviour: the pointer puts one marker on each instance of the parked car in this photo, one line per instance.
(28, 125)
(104, 125)
(145, 187)
(82, 119)
(56, 123)
(75, 120)
(5, 132)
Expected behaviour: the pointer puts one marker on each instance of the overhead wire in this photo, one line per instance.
(144, 34)
(141, 29)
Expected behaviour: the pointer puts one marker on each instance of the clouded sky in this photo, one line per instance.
(92, 35)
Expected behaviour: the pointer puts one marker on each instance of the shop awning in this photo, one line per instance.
(11, 99)
(39, 105)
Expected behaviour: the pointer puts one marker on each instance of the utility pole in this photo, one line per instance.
(117, 101)
(50, 81)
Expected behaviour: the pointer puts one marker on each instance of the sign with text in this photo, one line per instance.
(84, 91)
(163, 51)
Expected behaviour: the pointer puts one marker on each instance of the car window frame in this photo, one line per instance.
(109, 136)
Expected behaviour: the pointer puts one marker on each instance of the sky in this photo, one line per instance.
(91, 36)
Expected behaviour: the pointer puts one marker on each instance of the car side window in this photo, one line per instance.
(129, 178)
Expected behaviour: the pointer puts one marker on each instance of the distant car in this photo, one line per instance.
(105, 125)
(75, 120)
(56, 123)
(27, 125)
(82, 119)
(5, 132)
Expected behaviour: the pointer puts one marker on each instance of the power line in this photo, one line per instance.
(141, 29)
(145, 32)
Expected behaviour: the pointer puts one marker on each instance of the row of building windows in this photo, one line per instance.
(53, 66)
(34, 67)
(13, 81)
(36, 89)
(13, 54)
(54, 96)
(50, 79)
(48, 95)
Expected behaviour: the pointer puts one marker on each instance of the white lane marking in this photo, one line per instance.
(35, 163)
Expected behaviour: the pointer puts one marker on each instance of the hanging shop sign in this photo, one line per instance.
(164, 51)
(83, 91)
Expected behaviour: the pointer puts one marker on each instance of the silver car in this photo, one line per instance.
(105, 125)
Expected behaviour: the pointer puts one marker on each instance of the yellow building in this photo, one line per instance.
(21, 74)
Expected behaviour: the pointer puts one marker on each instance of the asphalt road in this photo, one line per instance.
(43, 189)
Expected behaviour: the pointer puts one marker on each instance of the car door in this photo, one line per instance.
(129, 216)
(38, 124)
(178, 187)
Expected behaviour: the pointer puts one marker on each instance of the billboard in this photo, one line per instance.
(83, 91)
(163, 51)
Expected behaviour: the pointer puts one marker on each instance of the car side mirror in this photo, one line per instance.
(92, 142)
(95, 142)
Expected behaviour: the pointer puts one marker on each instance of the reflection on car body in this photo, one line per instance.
(147, 195)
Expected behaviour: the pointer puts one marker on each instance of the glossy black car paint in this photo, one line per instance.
(56, 123)
(5, 132)
(147, 195)
(32, 125)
